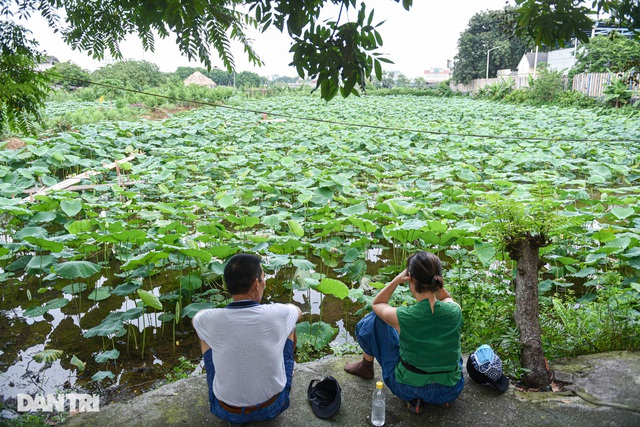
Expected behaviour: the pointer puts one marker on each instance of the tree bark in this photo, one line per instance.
(526, 314)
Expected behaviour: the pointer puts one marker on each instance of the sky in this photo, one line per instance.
(424, 37)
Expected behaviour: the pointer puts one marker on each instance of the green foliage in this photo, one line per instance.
(617, 93)
(570, 98)
(248, 79)
(184, 369)
(137, 75)
(441, 89)
(314, 336)
(519, 96)
(24, 88)
(604, 54)
(25, 419)
(47, 356)
(336, 54)
(497, 91)
(610, 322)
(516, 220)
(69, 75)
(184, 72)
(547, 85)
(550, 21)
(486, 31)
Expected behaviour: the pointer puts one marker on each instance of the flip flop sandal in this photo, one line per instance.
(415, 406)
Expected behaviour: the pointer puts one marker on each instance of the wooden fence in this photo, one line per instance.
(591, 84)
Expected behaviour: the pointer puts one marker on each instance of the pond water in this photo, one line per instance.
(23, 336)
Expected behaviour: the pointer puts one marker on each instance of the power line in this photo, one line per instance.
(341, 123)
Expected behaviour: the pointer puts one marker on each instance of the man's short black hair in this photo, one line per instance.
(240, 272)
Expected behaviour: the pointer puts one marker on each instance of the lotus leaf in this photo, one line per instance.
(149, 299)
(35, 311)
(144, 259)
(43, 217)
(47, 356)
(45, 244)
(302, 264)
(485, 252)
(333, 287)
(622, 213)
(227, 200)
(167, 317)
(132, 313)
(77, 227)
(351, 255)
(37, 232)
(100, 375)
(317, 335)
(78, 363)
(40, 264)
(19, 264)
(201, 255)
(56, 303)
(194, 307)
(295, 228)
(74, 288)
(105, 328)
(101, 293)
(364, 225)
(71, 207)
(125, 289)
(191, 282)
(76, 269)
(107, 355)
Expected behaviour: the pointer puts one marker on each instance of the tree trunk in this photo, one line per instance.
(526, 314)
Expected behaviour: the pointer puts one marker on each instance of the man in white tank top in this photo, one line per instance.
(248, 347)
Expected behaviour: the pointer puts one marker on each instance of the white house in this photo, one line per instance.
(49, 61)
(560, 60)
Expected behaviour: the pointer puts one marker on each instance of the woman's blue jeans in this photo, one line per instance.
(382, 341)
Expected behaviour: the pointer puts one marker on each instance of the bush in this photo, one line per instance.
(497, 91)
(547, 86)
(617, 93)
(519, 96)
(571, 98)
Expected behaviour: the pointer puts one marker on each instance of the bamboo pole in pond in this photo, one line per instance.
(73, 180)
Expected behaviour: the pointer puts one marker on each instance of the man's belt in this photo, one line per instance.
(416, 370)
(247, 409)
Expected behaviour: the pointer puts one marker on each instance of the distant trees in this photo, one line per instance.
(184, 72)
(486, 31)
(74, 75)
(131, 74)
(552, 22)
(221, 77)
(248, 79)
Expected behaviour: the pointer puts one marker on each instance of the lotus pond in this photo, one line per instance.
(98, 283)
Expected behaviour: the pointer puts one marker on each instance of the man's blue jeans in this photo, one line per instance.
(382, 341)
(262, 414)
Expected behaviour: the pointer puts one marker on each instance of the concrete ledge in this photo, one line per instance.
(609, 377)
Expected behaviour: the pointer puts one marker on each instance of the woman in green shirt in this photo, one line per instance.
(418, 347)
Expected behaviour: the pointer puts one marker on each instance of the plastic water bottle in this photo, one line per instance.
(378, 405)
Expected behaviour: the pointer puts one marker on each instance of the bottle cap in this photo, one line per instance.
(379, 384)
